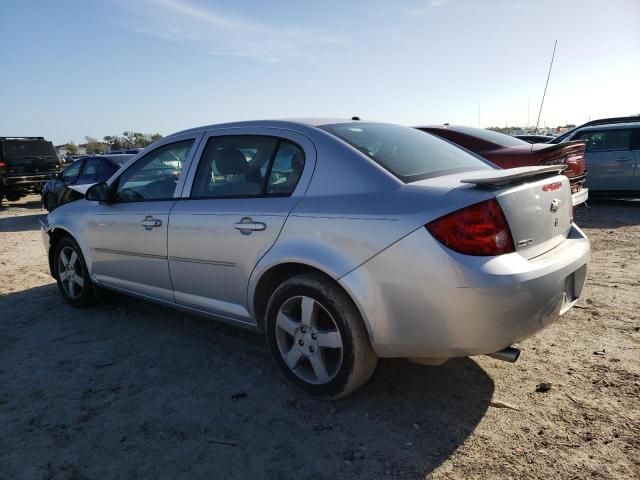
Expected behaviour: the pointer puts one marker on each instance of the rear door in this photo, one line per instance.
(232, 210)
(129, 235)
(609, 159)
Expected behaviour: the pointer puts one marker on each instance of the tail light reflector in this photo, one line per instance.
(479, 229)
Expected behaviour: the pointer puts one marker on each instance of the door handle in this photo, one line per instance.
(149, 222)
(623, 159)
(247, 225)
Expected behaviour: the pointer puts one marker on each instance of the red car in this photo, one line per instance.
(509, 152)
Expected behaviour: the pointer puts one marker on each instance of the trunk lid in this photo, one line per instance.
(570, 154)
(536, 202)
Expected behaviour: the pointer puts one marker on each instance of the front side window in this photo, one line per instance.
(71, 172)
(407, 153)
(247, 166)
(155, 176)
(606, 140)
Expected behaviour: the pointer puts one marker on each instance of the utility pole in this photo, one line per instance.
(479, 115)
(528, 110)
(546, 84)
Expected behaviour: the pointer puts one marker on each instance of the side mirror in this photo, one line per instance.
(98, 193)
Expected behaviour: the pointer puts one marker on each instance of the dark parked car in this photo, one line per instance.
(592, 123)
(509, 152)
(532, 138)
(25, 164)
(86, 170)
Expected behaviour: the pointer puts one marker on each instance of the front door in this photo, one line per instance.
(129, 235)
(609, 160)
(232, 210)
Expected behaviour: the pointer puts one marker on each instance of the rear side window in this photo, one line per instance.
(247, 166)
(286, 169)
(28, 148)
(606, 140)
(91, 166)
(407, 153)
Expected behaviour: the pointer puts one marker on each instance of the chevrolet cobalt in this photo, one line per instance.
(342, 240)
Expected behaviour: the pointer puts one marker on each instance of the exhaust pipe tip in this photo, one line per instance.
(509, 354)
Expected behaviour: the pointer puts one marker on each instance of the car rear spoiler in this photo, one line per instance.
(550, 147)
(512, 175)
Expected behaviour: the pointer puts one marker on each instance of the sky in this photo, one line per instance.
(72, 68)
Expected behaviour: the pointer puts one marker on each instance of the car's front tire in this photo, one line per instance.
(317, 337)
(72, 275)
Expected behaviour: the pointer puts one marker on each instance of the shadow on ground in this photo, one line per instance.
(31, 204)
(608, 213)
(128, 389)
(22, 223)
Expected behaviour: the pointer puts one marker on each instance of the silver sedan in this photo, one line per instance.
(343, 241)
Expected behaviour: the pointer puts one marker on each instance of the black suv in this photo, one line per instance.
(25, 164)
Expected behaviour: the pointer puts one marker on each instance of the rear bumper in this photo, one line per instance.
(580, 196)
(419, 299)
(25, 181)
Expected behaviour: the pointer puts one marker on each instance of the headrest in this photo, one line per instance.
(231, 161)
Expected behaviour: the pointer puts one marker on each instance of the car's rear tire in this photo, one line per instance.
(72, 275)
(317, 337)
(50, 202)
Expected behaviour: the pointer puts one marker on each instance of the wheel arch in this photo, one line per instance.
(263, 285)
(55, 235)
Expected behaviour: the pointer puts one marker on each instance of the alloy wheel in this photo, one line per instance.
(70, 272)
(309, 340)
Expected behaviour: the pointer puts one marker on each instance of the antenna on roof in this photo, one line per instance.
(546, 84)
(355, 119)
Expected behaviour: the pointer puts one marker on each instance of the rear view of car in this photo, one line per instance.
(509, 152)
(343, 241)
(25, 164)
(612, 156)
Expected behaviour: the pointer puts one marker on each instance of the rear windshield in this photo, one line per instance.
(490, 136)
(28, 148)
(407, 153)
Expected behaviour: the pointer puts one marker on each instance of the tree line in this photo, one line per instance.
(113, 142)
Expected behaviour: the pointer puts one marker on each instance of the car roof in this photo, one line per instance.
(283, 123)
(608, 126)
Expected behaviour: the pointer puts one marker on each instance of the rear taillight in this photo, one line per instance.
(3, 164)
(479, 229)
(574, 162)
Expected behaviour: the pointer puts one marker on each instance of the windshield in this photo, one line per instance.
(408, 153)
(28, 148)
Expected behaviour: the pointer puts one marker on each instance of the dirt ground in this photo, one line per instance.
(131, 390)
